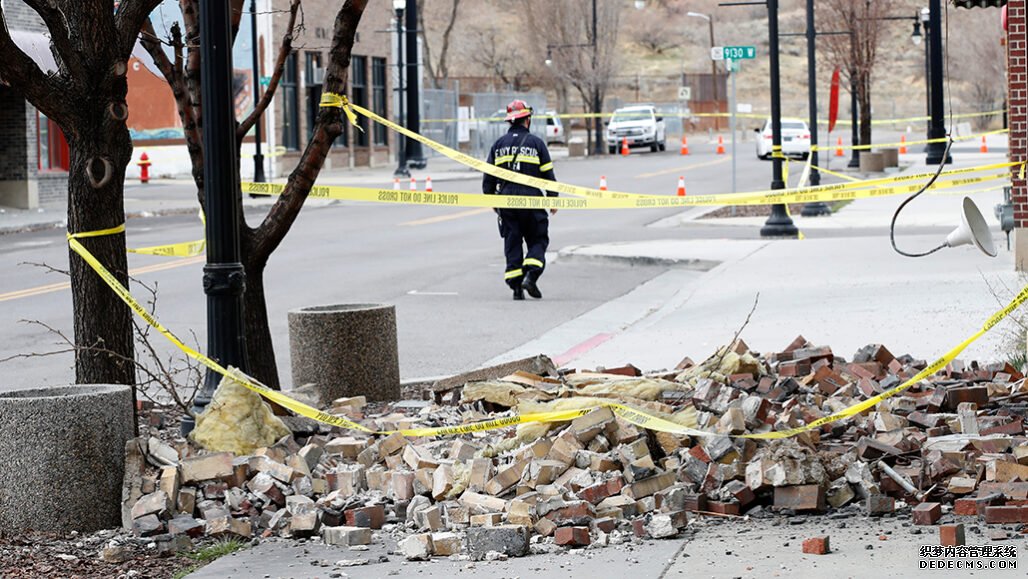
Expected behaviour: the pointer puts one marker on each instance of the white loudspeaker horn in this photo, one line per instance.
(972, 229)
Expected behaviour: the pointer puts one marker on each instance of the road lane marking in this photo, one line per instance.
(54, 287)
(421, 293)
(448, 217)
(683, 169)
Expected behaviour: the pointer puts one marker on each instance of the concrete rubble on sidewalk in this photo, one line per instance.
(950, 446)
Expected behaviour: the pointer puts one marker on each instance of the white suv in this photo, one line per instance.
(639, 125)
(795, 138)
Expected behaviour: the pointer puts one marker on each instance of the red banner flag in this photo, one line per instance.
(833, 101)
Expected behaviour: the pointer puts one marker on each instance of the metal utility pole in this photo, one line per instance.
(854, 126)
(817, 208)
(258, 158)
(415, 156)
(401, 142)
(223, 276)
(597, 123)
(936, 152)
(779, 224)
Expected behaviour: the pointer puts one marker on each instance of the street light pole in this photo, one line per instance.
(779, 224)
(258, 158)
(401, 142)
(817, 208)
(223, 276)
(854, 126)
(936, 152)
(413, 152)
(597, 133)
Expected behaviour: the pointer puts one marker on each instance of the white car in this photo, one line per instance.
(795, 139)
(639, 126)
(554, 128)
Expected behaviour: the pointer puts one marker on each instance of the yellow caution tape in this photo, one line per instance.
(770, 196)
(907, 143)
(184, 249)
(636, 417)
(445, 199)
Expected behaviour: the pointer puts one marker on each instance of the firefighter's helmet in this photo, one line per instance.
(518, 109)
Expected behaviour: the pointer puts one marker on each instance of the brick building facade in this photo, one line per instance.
(295, 106)
(1017, 99)
(33, 152)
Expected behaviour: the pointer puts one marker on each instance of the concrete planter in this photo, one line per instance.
(346, 350)
(890, 157)
(63, 462)
(871, 162)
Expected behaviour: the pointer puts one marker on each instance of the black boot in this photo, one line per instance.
(528, 284)
(519, 294)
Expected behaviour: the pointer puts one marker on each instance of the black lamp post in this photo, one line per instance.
(401, 142)
(818, 207)
(936, 152)
(223, 276)
(597, 123)
(413, 152)
(258, 158)
(779, 224)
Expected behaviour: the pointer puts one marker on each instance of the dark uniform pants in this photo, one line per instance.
(530, 227)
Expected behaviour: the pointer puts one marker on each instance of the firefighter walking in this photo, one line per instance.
(522, 152)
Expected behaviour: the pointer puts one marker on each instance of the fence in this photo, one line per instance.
(480, 122)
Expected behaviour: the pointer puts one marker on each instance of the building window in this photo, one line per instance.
(290, 118)
(359, 74)
(51, 145)
(378, 98)
(315, 78)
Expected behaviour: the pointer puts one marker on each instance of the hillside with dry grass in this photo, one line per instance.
(492, 46)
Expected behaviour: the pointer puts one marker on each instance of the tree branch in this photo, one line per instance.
(283, 52)
(68, 56)
(20, 72)
(269, 234)
(130, 20)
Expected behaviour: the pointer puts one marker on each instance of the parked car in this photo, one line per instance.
(639, 126)
(795, 139)
(554, 128)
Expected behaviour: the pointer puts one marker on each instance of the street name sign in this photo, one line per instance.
(733, 52)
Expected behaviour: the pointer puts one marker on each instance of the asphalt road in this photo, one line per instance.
(442, 268)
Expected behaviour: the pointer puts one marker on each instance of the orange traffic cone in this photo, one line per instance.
(903, 145)
(428, 184)
(838, 148)
(685, 146)
(681, 186)
(413, 184)
(720, 145)
(396, 184)
(624, 146)
(603, 182)
(985, 148)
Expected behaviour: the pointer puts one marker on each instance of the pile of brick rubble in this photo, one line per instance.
(953, 443)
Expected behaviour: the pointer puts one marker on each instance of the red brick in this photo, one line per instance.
(695, 502)
(927, 513)
(572, 536)
(951, 535)
(639, 528)
(371, 517)
(965, 507)
(1006, 514)
(816, 545)
(698, 452)
(574, 510)
(606, 524)
(800, 498)
(723, 508)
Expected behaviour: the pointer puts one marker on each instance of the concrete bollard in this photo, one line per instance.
(890, 157)
(346, 350)
(871, 162)
(63, 452)
(576, 147)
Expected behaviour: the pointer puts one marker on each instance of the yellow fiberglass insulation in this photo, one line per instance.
(237, 420)
(532, 431)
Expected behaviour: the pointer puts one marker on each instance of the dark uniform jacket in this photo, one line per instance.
(522, 152)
